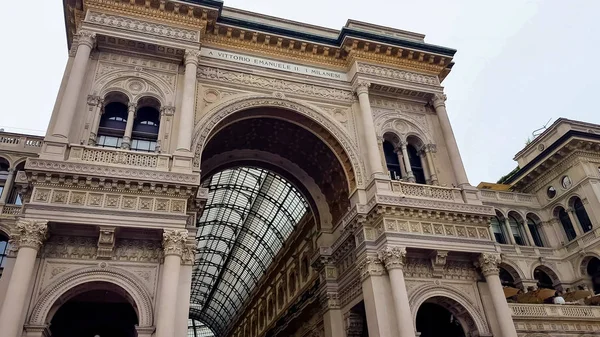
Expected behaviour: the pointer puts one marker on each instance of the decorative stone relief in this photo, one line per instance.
(174, 241)
(397, 74)
(106, 242)
(29, 233)
(393, 257)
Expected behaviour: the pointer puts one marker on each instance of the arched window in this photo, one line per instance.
(113, 121)
(14, 198)
(593, 270)
(271, 307)
(498, 229)
(392, 161)
(281, 297)
(533, 225)
(506, 278)
(145, 127)
(4, 167)
(292, 283)
(416, 165)
(304, 268)
(582, 216)
(3, 249)
(566, 223)
(517, 229)
(544, 281)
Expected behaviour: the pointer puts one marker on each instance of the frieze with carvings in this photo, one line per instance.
(429, 228)
(70, 247)
(397, 74)
(274, 84)
(168, 32)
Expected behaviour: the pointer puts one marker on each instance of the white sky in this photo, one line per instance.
(519, 62)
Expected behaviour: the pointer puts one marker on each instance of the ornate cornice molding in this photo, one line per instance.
(393, 257)
(488, 262)
(29, 233)
(397, 74)
(174, 242)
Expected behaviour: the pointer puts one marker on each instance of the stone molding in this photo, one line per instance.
(264, 82)
(370, 266)
(488, 262)
(143, 27)
(354, 324)
(438, 100)
(228, 107)
(191, 56)
(174, 242)
(361, 87)
(86, 38)
(29, 233)
(433, 205)
(393, 257)
(102, 273)
(397, 74)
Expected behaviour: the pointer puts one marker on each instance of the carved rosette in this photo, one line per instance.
(174, 241)
(361, 87)
(87, 38)
(393, 257)
(29, 233)
(370, 266)
(191, 56)
(488, 262)
(438, 100)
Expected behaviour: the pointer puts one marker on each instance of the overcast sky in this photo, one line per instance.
(519, 63)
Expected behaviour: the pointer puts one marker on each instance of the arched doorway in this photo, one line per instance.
(442, 316)
(94, 309)
(593, 271)
(545, 277)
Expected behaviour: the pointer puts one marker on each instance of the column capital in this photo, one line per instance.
(430, 148)
(438, 100)
(392, 257)
(29, 233)
(174, 241)
(86, 37)
(370, 266)
(191, 56)
(93, 100)
(131, 106)
(488, 262)
(361, 87)
(167, 110)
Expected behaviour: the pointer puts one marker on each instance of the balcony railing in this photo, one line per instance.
(427, 191)
(119, 157)
(550, 311)
(10, 210)
(583, 241)
(24, 143)
(508, 197)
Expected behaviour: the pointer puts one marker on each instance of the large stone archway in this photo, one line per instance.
(46, 304)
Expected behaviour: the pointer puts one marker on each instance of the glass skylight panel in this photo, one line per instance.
(249, 214)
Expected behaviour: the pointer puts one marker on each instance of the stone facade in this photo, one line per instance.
(393, 223)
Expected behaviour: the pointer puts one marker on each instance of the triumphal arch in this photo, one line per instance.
(211, 171)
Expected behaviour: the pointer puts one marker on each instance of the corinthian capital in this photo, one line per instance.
(85, 37)
(167, 111)
(370, 266)
(174, 241)
(438, 100)
(191, 56)
(393, 257)
(29, 233)
(488, 262)
(361, 87)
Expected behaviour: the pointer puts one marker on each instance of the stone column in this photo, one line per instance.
(174, 244)
(403, 171)
(373, 159)
(382, 155)
(439, 104)
(27, 238)
(379, 306)
(488, 262)
(186, 120)
(409, 174)
(422, 156)
(511, 236)
(393, 258)
(429, 150)
(528, 232)
(131, 108)
(166, 112)
(324, 264)
(575, 221)
(96, 104)
(10, 178)
(66, 112)
(185, 286)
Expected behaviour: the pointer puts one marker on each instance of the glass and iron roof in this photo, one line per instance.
(248, 216)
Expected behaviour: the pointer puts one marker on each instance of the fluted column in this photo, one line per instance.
(429, 150)
(96, 104)
(174, 245)
(409, 173)
(66, 112)
(488, 262)
(439, 103)
(131, 108)
(393, 258)
(10, 178)
(186, 120)
(28, 237)
(373, 158)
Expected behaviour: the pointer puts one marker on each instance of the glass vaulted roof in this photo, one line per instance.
(248, 216)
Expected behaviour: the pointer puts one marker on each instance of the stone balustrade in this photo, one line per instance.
(427, 191)
(509, 197)
(10, 210)
(553, 311)
(22, 143)
(119, 157)
(583, 241)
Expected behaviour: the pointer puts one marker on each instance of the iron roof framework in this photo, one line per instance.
(248, 216)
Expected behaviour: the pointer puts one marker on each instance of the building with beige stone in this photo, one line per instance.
(211, 171)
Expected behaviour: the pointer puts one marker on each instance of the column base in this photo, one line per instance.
(145, 331)
(54, 148)
(470, 194)
(183, 161)
(37, 331)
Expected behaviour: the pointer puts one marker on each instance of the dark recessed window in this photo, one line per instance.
(551, 192)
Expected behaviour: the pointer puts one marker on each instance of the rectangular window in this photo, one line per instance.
(143, 145)
(109, 141)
